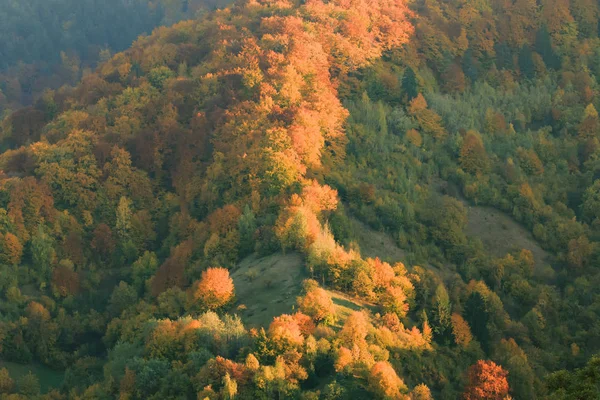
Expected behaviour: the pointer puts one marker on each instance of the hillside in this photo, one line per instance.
(326, 199)
(48, 44)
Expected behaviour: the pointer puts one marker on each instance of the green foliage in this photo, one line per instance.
(579, 384)
(158, 76)
(526, 66)
(121, 298)
(28, 385)
(136, 179)
(409, 84)
(442, 312)
(477, 315)
(42, 252)
(247, 226)
(143, 269)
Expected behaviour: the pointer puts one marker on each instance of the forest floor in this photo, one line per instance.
(266, 287)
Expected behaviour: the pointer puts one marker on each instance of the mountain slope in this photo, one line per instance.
(300, 139)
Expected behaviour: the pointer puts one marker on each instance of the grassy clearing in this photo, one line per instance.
(346, 305)
(498, 231)
(501, 234)
(49, 378)
(376, 244)
(268, 287)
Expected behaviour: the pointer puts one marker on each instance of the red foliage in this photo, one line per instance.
(224, 219)
(65, 280)
(171, 272)
(26, 125)
(73, 248)
(103, 241)
(214, 370)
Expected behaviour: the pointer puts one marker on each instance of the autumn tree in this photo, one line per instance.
(429, 120)
(414, 137)
(421, 392)
(31, 204)
(6, 382)
(487, 380)
(473, 157)
(589, 127)
(529, 161)
(102, 241)
(65, 280)
(461, 330)
(11, 249)
(214, 289)
(285, 332)
(384, 382)
(317, 304)
(579, 252)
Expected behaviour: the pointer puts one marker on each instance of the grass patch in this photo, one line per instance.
(376, 244)
(266, 287)
(500, 234)
(346, 305)
(48, 377)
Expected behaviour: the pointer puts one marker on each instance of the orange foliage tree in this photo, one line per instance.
(487, 381)
(11, 249)
(473, 157)
(285, 331)
(214, 289)
(318, 305)
(384, 381)
(461, 330)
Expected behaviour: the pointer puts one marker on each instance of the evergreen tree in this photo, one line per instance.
(543, 46)
(478, 316)
(409, 84)
(469, 65)
(526, 62)
(442, 315)
(504, 58)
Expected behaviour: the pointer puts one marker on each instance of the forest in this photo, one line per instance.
(316, 199)
(51, 43)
